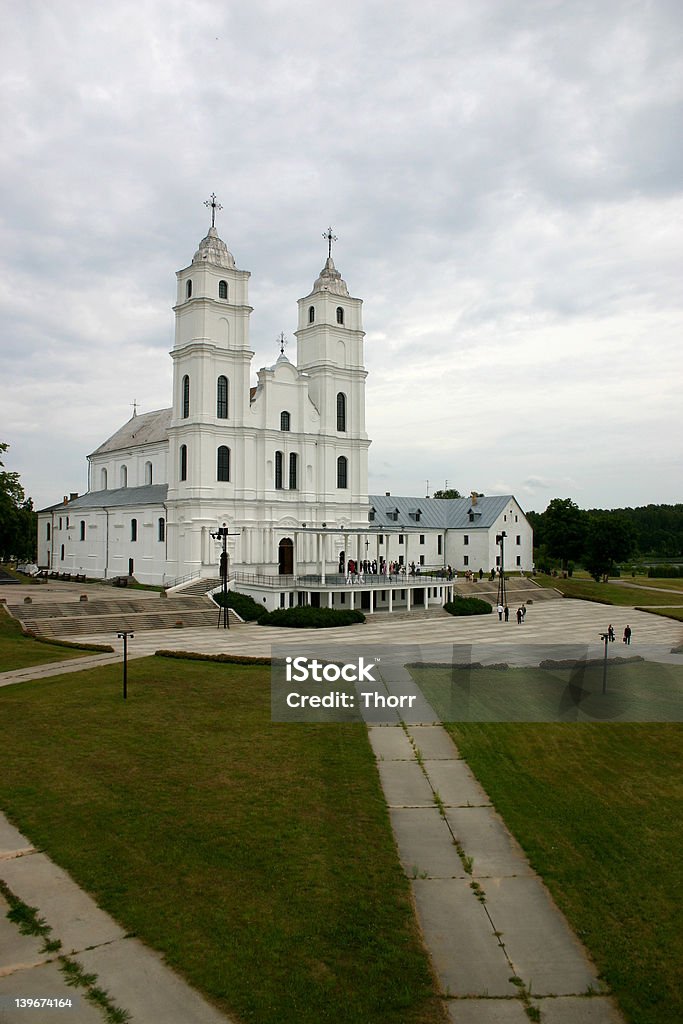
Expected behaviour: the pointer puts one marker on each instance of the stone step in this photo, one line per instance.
(81, 626)
(197, 588)
(113, 606)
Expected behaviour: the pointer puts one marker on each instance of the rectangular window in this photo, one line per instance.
(282, 600)
(519, 559)
(422, 538)
(400, 559)
(422, 559)
(342, 598)
(381, 538)
(505, 519)
(278, 471)
(439, 544)
(498, 560)
(293, 459)
(400, 538)
(519, 538)
(466, 539)
(466, 560)
(515, 518)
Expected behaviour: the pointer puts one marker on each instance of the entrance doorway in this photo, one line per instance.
(286, 557)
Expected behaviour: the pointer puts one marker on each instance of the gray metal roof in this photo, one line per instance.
(438, 513)
(150, 494)
(147, 428)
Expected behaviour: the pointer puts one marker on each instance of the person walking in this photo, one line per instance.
(610, 633)
(507, 614)
(523, 611)
(519, 616)
(499, 609)
(627, 635)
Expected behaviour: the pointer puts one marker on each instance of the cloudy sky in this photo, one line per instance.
(505, 179)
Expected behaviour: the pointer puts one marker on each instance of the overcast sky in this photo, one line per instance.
(505, 180)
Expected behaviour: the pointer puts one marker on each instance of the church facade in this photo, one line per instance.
(283, 465)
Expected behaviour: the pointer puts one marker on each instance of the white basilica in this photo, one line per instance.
(283, 465)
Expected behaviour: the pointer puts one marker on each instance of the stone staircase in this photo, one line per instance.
(518, 590)
(73, 619)
(197, 588)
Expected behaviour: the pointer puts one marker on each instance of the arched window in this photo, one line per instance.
(148, 472)
(133, 529)
(222, 289)
(222, 398)
(342, 471)
(82, 529)
(186, 396)
(311, 314)
(188, 290)
(341, 411)
(124, 476)
(340, 315)
(285, 420)
(278, 470)
(104, 479)
(161, 535)
(183, 462)
(293, 466)
(223, 463)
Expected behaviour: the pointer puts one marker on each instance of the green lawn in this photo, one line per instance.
(609, 593)
(257, 858)
(598, 809)
(19, 651)
(669, 613)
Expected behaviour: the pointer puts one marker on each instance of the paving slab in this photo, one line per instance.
(404, 784)
(467, 957)
(455, 784)
(434, 742)
(425, 843)
(486, 839)
(390, 743)
(46, 981)
(74, 917)
(144, 985)
(579, 1010)
(17, 950)
(544, 951)
(487, 1011)
(11, 839)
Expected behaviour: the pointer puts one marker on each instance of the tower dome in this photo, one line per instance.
(213, 249)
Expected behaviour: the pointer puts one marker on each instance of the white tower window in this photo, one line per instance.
(311, 314)
(186, 396)
(278, 471)
(342, 471)
(341, 411)
(188, 290)
(183, 462)
(222, 289)
(340, 315)
(124, 476)
(223, 463)
(222, 398)
(148, 472)
(285, 421)
(293, 467)
(103, 478)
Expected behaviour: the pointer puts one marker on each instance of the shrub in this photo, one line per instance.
(467, 606)
(664, 572)
(311, 618)
(246, 607)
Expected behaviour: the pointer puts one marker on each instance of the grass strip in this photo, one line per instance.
(257, 858)
(598, 810)
(21, 650)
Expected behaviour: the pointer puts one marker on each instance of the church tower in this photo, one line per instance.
(330, 352)
(211, 371)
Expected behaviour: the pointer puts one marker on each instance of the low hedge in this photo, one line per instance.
(306, 617)
(468, 606)
(225, 659)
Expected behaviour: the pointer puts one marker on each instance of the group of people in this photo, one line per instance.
(504, 613)
(628, 632)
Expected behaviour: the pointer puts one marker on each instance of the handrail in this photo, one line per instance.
(338, 580)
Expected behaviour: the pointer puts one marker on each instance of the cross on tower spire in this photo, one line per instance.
(211, 202)
(330, 239)
(282, 342)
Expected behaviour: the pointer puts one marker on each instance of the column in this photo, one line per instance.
(426, 598)
(323, 559)
(391, 600)
(408, 599)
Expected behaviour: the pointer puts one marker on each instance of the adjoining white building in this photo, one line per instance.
(284, 465)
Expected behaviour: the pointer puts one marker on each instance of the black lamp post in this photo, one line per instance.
(605, 639)
(222, 534)
(502, 596)
(123, 635)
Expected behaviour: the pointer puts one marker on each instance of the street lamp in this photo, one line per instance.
(222, 534)
(605, 639)
(123, 635)
(502, 597)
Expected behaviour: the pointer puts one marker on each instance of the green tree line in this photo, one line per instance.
(601, 538)
(17, 518)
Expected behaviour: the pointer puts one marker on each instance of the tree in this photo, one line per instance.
(17, 518)
(450, 493)
(563, 530)
(610, 538)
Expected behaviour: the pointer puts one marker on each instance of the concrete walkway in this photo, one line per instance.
(135, 978)
(498, 943)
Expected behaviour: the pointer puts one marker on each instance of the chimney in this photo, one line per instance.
(474, 497)
(387, 494)
(66, 500)
(73, 495)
